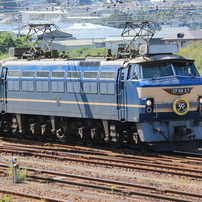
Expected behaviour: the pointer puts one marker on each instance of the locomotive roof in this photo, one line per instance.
(156, 58)
(46, 62)
(103, 61)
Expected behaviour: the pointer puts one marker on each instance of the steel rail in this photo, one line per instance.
(115, 152)
(59, 146)
(121, 186)
(195, 171)
(33, 196)
(123, 190)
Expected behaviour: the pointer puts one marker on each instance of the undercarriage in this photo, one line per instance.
(67, 129)
(91, 131)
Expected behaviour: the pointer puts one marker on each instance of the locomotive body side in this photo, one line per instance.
(141, 102)
(67, 99)
(60, 89)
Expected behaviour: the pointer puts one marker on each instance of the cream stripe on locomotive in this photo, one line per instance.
(164, 97)
(161, 94)
(72, 102)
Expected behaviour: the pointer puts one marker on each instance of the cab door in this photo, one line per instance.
(121, 95)
(132, 84)
(3, 90)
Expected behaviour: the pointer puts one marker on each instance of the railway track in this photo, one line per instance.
(165, 164)
(105, 184)
(158, 163)
(180, 156)
(27, 196)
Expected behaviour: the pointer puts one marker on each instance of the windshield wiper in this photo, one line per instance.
(156, 75)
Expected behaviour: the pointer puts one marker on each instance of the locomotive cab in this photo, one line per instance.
(165, 92)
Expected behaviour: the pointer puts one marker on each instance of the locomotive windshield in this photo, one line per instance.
(164, 69)
(185, 69)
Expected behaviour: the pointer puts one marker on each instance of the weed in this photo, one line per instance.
(57, 164)
(21, 174)
(5, 199)
(184, 181)
(112, 189)
(10, 171)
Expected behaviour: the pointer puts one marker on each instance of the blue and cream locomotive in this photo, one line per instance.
(151, 101)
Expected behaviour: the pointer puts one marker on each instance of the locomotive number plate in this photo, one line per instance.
(180, 90)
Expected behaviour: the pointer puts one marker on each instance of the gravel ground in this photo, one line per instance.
(81, 194)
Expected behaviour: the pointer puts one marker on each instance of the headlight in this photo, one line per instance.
(149, 105)
(200, 104)
(149, 102)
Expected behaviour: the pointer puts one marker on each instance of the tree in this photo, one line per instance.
(7, 40)
(193, 51)
(85, 51)
(21, 41)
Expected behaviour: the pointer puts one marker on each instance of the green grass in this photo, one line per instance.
(4, 57)
(21, 174)
(5, 199)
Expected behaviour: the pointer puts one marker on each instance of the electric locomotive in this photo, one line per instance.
(152, 100)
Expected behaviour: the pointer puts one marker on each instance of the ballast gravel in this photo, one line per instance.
(83, 194)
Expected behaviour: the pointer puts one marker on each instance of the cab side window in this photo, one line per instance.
(132, 72)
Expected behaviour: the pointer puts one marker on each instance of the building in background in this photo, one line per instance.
(182, 39)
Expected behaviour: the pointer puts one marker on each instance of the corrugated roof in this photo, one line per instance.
(78, 26)
(95, 34)
(91, 31)
(57, 34)
(117, 38)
